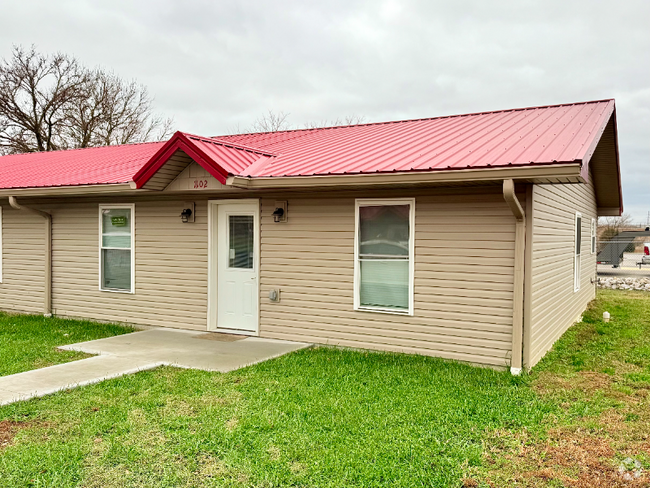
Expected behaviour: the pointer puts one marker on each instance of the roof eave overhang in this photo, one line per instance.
(586, 157)
(179, 141)
(608, 212)
(571, 172)
(610, 113)
(76, 190)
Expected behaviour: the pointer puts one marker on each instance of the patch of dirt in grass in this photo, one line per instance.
(585, 384)
(106, 477)
(211, 467)
(622, 368)
(232, 424)
(585, 381)
(579, 452)
(274, 453)
(297, 468)
(230, 398)
(8, 430)
(177, 408)
(573, 457)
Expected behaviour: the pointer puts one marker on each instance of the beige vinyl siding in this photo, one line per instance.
(23, 261)
(554, 305)
(195, 178)
(170, 266)
(463, 284)
(170, 170)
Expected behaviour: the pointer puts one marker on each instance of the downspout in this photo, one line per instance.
(518, 298)
(47, 306)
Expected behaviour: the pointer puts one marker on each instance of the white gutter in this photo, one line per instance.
(541, 173)
(47, 191)
(518, 297)
(47, 306)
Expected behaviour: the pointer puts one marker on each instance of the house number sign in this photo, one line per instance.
(200, 184)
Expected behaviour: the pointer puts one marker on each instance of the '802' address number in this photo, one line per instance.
(200, 184)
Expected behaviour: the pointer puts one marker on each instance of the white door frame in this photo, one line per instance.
(213, 259)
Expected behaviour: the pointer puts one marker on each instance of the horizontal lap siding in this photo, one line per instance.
(555, 306)
(463, 286)
(170, 266)
(23, 261)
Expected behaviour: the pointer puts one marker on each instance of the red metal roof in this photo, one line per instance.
(519, 137)
(219, 158)
(538, 135)
(91, 166)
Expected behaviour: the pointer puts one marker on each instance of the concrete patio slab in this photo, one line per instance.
(138, 351)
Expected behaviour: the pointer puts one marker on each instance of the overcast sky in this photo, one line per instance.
(218, 65)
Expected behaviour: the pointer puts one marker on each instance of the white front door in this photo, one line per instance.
(238, 267)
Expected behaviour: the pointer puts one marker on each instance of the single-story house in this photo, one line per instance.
(468, 237)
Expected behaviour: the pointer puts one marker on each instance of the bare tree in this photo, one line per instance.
(347, 120)
(271, 122)
(609, 227)
(115, 112)
(35, 93)
(52, 102)
(274, 122)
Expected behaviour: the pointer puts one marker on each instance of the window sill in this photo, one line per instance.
(384, 310)
(128, 292)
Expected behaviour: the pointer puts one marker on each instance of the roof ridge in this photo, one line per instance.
(243, 147)
(471, 114)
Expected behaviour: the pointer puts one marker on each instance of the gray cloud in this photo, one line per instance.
(220, 64)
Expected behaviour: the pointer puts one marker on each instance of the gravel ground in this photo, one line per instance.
(614, 283)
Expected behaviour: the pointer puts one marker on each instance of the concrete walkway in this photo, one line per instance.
(139, 351)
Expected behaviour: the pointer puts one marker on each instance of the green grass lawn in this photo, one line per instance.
(29, 341)
(326, 417)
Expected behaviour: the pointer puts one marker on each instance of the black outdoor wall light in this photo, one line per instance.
(187, 215)
(280, 212)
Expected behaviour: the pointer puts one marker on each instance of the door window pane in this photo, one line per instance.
(240, 236)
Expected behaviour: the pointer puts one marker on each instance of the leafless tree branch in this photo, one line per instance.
(271, 122)
(347, 120)
(52, 102)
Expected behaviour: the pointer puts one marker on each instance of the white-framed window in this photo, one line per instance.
(384, 255)
(117, 248)
(594, 232)
(577, 244)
